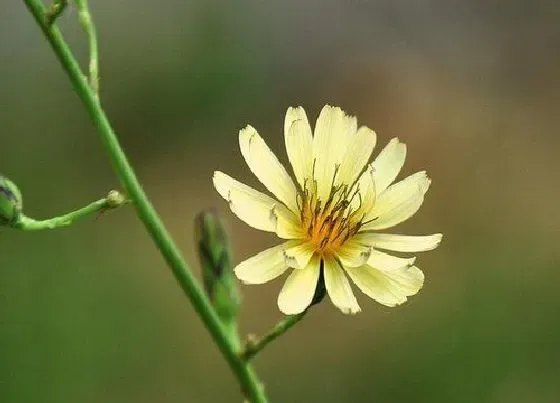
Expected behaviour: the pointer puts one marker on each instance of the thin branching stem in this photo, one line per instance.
(112, 201)
(89, 28)
(250, 385)
(253, 347)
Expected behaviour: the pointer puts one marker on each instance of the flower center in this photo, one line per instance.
(331, 222)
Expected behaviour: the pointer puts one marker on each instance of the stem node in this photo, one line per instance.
(55, 10)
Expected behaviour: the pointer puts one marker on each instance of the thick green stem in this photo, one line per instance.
(250, 385)
(253, 347)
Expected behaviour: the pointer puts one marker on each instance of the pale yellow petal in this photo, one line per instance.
(400, 213)
(288, 225)
(266, 167)
(338, 287)
(353, 253)
(389, 288)
(388, 164)
(400, 243)
(330, 140)
(357, 155)
(398, 202)
(409, 280)
(384, 261)
(299, 144)
(257, 209)
(299, 256)
(299, 288)
(365, 201)
(263, 267)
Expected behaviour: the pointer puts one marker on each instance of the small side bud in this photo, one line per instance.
(251, 340)
(215, 259)
(115, 199)
(11, 203)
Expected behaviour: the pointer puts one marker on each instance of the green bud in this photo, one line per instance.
(115, 199)
(215, 259)
(10, 202)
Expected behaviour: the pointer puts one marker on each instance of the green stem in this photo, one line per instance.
(252, 348)
(113, 200)
(89, 27)
(250, 385)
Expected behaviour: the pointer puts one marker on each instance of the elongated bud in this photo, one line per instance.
(10, 202)
(215, 259)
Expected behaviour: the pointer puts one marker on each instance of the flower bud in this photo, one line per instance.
(215, 259)
(10, 202)
(115, 199)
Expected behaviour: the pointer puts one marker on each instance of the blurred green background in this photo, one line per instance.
(92, 314)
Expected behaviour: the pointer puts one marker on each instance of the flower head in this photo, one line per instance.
(331, 215)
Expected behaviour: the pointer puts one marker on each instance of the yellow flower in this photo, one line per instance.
(331, 216)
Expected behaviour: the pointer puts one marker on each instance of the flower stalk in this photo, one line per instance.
(253, 347)
(251, 387)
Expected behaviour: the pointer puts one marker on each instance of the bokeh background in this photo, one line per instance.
(92, 314)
